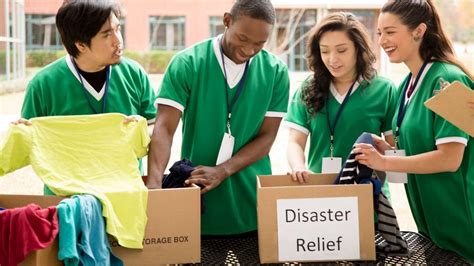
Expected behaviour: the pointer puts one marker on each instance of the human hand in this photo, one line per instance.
(368, 155)
(380, 144)
(22, 121)
(130, 118)
(301, 175)
(207, 177)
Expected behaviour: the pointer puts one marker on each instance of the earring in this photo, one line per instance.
(416, 38)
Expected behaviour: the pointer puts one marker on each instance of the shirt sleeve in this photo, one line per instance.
(137, 136)
(391, 107)
(148, 97)
(445, 132)
(15, 149)
(298, 116)
(279, 103)
(32, 106)
(175, 87)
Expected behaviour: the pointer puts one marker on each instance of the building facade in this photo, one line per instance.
(175, 25)
(12, 36)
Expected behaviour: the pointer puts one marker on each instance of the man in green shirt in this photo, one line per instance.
(94, 77)
(231, 96)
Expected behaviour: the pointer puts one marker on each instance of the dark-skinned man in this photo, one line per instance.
(231, 113)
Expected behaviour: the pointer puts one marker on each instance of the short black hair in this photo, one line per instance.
(256, 9)
(81, 20)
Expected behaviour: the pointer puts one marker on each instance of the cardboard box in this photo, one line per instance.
(316, 221)
(172, 234)
(49, 255)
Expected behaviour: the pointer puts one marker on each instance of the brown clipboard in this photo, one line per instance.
(451, 103)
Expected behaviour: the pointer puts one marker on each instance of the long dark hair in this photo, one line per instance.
(314, 95)
(435, 45)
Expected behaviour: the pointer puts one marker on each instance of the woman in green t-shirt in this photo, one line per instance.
(340, 100)
(439, 156)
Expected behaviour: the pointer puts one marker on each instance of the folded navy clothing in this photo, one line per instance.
(179, 172)
(354, 172)
(387, 225)
(2, 209)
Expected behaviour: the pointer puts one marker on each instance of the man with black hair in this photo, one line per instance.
(94, 77)
(231, 95)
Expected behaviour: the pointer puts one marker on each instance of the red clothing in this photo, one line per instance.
(25, 229)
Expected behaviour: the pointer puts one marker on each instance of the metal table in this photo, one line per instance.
(244, 251)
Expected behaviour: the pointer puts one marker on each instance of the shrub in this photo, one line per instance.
(39, 58)
(2, 62)
(153, 61)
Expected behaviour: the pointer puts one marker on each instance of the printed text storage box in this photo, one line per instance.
(172, 235)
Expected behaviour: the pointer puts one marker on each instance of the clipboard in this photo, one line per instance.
(451, 103)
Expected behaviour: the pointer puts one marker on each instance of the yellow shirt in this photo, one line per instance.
(87, 154)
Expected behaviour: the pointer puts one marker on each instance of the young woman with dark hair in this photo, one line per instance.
(439, 156)
(342, 99)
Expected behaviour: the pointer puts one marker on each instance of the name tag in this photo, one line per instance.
(331, 165)
(396, 177)
(227, 147)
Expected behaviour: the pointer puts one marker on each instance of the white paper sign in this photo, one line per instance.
(318, 229)
(396, 177)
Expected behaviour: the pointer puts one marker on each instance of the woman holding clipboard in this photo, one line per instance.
(439, 156)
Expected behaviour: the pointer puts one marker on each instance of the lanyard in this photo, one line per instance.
(240, 86)
(104, 101)
(332, 128)
(402, 108)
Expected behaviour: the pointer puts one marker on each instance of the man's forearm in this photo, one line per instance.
(158, 158)
(250, 153)
(254, 150)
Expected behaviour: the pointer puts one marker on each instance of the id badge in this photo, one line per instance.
(396, 177)
(331, 165)
(227, 147)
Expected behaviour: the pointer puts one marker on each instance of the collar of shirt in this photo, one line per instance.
(339, 97)
(97, 95)
(412, 79)
(234, 71)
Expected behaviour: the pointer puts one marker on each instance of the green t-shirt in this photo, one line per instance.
(442, 204)
(194, 83)
(57, 90)
(369, 108)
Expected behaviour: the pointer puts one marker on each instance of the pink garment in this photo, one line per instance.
(25, 229)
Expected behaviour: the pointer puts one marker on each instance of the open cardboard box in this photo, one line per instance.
(316, 221)
(172, 234)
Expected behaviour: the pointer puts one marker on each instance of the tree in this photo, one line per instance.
(448, 14)
(286, 34)
(465, 25)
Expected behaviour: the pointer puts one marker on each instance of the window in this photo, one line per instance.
(167, 33)
(367, 17)
(41, 33)
(122, 29)
(12, 55)
(216, 26)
